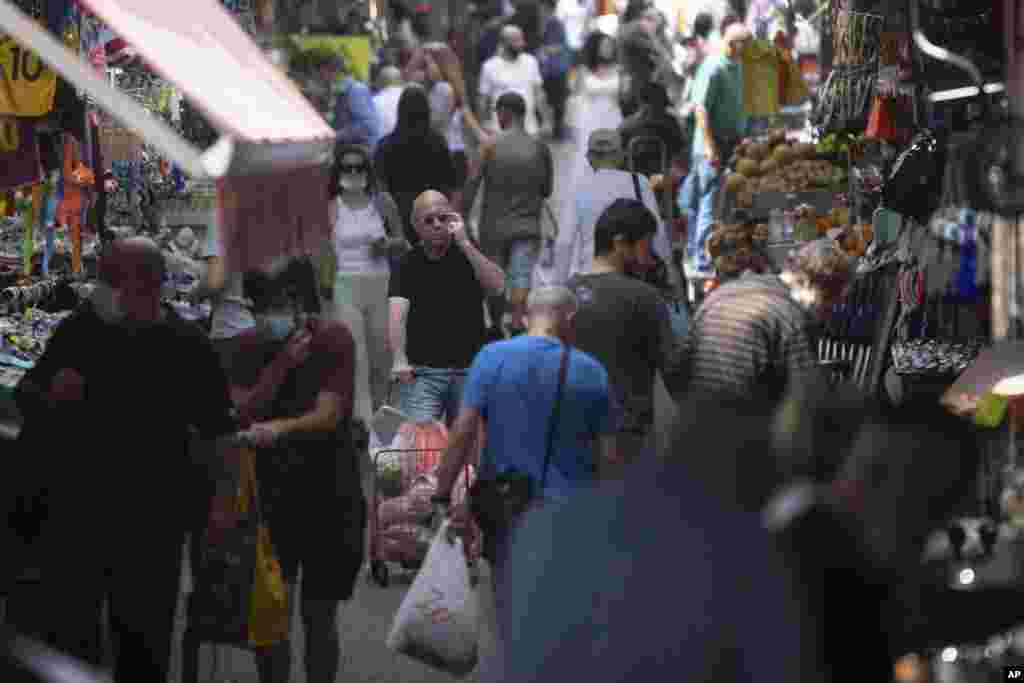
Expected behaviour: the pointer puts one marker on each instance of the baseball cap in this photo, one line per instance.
(605, 141)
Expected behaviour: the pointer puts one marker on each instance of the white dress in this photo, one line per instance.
(597, 108)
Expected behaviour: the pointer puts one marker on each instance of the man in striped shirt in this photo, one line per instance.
(752, 338)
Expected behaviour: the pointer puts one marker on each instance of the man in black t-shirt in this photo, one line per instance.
(624, 322)
(109, 411)
(436, 297)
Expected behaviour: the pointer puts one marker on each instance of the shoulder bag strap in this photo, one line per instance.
(563, 370)
(636, 188)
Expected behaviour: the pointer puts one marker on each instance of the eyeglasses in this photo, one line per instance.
(439, 218)
(355, 169)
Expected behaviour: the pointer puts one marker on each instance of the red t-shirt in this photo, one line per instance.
(330, 367)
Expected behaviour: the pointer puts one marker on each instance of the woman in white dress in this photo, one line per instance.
(597, 85)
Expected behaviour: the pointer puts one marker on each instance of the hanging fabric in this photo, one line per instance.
(19, 153)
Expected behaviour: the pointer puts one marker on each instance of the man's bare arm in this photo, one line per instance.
(461, 441)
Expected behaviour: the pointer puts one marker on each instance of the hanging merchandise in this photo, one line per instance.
(880, 124)
(845, 99)
(19, 153)
(914, 186)
(27, 84)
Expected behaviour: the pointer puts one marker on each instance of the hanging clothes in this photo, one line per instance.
(761, 92)
(19, 153)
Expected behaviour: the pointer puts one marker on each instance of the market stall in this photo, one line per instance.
(106, 130)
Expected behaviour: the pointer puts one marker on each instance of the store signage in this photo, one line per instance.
(27, 85)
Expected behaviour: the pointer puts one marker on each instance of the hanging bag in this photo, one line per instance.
(240, 595)
(497, 503)
(438, 620)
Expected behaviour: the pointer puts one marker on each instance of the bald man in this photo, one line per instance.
(547, 412)
(436, 298)
(109, 409)
(511, 70)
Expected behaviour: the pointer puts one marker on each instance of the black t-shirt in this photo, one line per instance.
(624, 323)
(123, 452)
(409, 166)
(445, 327)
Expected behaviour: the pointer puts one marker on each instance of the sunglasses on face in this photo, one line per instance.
(353, 169)
(439, 219)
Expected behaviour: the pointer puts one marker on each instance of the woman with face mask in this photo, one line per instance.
(597, 84)
(355, 265)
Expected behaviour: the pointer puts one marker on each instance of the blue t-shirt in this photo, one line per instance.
(512, 383)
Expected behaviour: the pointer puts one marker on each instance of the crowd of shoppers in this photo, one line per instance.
(789, 534)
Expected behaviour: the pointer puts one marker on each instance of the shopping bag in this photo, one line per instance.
(438, 621)
(269, 616)
(240, 596)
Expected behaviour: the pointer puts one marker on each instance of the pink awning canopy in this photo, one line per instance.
(199, 46)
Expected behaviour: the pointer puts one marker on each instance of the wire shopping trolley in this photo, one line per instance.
(402, 484)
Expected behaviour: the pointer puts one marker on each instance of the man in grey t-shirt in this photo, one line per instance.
(518, 177)
(624, 322)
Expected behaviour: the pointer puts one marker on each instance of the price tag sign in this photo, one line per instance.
(27, 84)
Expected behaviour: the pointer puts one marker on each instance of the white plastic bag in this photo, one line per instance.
(438, 621)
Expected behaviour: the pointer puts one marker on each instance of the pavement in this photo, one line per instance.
(364, 621)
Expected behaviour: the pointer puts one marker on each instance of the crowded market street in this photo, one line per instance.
(367, 618)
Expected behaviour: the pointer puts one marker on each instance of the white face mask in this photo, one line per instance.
(353, 183)
(105, 302)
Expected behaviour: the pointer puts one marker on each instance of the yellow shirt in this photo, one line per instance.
(761, 62)
(27, 84)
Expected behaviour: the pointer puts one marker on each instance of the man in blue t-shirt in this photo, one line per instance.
(511, 392)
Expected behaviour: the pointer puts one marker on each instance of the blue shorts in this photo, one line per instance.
(522, 258)
(434, 395)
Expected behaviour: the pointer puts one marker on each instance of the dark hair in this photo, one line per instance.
(335, 177)
(635, 9)
(591, 48)
(413, 113)
(727, 21)
(513, 103)
(655, 95)
(626, 218)
(703, 25)
(296, 279)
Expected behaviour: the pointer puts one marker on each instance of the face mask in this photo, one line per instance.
(353, 183)
(105, 302)
(280, 325)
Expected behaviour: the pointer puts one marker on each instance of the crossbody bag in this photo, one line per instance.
(497, 503)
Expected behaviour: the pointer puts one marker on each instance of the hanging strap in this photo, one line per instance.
(636, 188)
(563, 370)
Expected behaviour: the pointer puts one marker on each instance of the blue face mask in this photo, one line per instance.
(280, 326)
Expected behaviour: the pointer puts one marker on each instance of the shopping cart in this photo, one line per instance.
(402, 484)
(405, 542)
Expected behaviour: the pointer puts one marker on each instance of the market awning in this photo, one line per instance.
(272, 136)
(199, 46)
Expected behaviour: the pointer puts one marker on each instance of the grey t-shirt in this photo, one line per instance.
(625, 324)
(516, 182)
(231, 314)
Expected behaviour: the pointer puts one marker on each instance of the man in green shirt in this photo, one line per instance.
(718, 106)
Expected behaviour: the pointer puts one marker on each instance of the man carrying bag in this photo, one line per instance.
(547, 415)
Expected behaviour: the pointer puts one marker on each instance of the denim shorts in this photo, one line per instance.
(522, 258)
(435, 394)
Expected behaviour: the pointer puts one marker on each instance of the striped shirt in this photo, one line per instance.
(750, 340)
